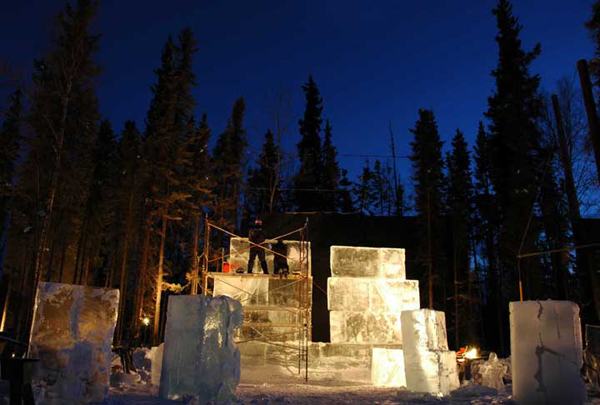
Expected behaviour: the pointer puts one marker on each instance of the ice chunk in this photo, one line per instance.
(546, 353)
(351, 261)
(347, 294)
(240, 253)
(431, 371)
(365, 327)
(492, 372)
(424, 329)
(387, 369)
(378, 295)
(246, 289)
(394, 295)
(71, 334)
(429, 366)
(200, 357)
(156, 357)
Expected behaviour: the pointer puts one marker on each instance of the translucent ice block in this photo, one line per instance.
(546, 352)
(424, 329)
(431, 371)
(365, 327)
(347, 294)
(378, 295)
(492, 372)
(200, 357)
(387, 368)
(351, 261)
(71, 335)
(248, 290)
(156, 357)
(429, 366)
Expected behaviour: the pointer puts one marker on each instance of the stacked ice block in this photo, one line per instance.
(429, 365)
(546, 356)
(71, 335)
(200, 357)
(366, 294)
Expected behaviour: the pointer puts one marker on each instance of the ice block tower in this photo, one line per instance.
(546, 352)
(71, 334)
(429, 365)
(366, 293)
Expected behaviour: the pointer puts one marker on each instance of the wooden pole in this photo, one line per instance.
(590, 108)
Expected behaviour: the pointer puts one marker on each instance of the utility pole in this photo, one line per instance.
(590, 108)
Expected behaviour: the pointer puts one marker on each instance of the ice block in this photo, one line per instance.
(365, 327)
(352, 261)
(546, 352)
(387, 368)
(429, 365)
(200, 357)
(71, 334)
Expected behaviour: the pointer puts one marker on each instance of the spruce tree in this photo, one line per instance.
(344, 197)
(459, 200)
(427, 164)
(309, 152)
(64, 120)
(593, 25)
(331, 172)
(228, 168)
(514, 150)
(264, 185)
(10, 139)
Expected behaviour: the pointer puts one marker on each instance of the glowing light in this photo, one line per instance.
(471, 353)
(146, 321)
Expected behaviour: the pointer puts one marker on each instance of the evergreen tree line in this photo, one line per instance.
(83, 204)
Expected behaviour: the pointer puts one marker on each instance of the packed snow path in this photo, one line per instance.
(323, 393)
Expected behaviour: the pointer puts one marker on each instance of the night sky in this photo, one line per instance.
(372, 62)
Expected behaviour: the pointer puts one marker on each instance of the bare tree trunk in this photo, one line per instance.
(62, 262)
(194, 288)
(456, 298)
(159, 280)
(123, 278)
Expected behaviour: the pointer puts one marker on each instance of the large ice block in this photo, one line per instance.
(71, 334)
(240, 253)
(546, 352)
(387, 368)
(431, 371)
(246, 289)
(429, 365)
(424, 329)
(365, 327)
(156, 357)
(378, 295)
(200, 357)
(352, 261)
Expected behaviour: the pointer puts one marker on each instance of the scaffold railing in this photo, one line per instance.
(261, 330)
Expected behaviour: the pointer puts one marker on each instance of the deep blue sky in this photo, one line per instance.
(373, 61)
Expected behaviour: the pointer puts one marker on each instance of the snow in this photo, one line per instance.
(326, 393)
(547, 356)
(71, 335)
(200, 357)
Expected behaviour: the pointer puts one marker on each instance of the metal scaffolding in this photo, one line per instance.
(287, 302)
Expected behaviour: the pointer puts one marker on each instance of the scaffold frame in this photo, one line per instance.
(302, 327)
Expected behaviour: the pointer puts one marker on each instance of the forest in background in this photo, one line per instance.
(84, 203)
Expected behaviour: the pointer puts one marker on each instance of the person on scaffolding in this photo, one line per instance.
(280, 264)
(257, 236)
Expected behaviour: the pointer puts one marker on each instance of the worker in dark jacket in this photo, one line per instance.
(257, 236)
(280, 263)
